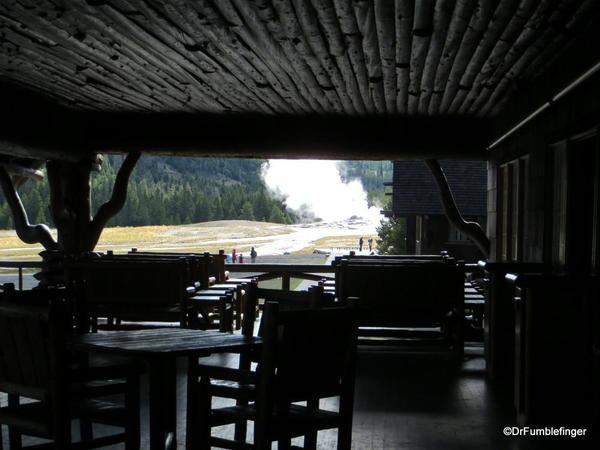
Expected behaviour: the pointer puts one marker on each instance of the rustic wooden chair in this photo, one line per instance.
(36, 364)
(314, 297)
(322, 340)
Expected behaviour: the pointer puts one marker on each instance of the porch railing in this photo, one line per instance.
(286, 272)
(262, 272)
(20, 265)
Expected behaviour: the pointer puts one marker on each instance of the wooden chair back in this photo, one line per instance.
(36, 363)
(314, 297)
(307, 354)
(32, 338)
(403, 294)
(213, 264)
(140, 282)
(199, 264)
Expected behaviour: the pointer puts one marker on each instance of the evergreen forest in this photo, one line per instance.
(177, 190)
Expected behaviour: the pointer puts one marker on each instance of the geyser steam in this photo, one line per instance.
(314, 189)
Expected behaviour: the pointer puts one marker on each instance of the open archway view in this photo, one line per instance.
(301, 209)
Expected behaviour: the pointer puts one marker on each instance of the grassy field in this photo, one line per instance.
(209, 236)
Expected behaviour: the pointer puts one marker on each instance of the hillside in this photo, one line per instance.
(174, 191)
(372, 175)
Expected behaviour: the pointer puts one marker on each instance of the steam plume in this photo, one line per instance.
(314, 189)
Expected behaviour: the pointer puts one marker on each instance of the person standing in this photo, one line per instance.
(241, 259)
(370, 241)
(233, 256)
(360, 244)
(253, 255)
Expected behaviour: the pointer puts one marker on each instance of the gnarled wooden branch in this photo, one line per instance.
(117, 199)
(30, 234)
(470, 229)
(23, 172)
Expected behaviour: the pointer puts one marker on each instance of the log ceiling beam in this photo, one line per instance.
(33, 127)
(253, 136)
(319, 137)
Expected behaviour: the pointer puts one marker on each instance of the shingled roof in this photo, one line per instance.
(415, 191)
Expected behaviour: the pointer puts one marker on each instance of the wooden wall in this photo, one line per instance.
(537, 180)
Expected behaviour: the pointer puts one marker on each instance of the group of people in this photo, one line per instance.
(239, 258)
(361, 241)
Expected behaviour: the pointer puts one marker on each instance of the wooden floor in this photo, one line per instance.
(415, 402)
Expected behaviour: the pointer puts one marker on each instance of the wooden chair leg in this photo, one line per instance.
(284, 444)
(14, 437)
(310, 439)
(61, 425)
(345, 427)
(237, 308)
(223, 316)
(86, 430)
(285, 441)
(198, 428)
(93, 324)
(62, 434)
(230, 317)
(241, 429)
(132, 401)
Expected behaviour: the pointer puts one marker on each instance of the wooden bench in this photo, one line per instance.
(207, 304)
(199, 269)
(210, 272)
(422, 302)
(142, 290)
(215, 262)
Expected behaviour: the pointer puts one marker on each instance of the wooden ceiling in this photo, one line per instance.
(417, 58)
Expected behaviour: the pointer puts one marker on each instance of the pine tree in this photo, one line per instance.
(247, 212)
(276, 215)
(392, 236)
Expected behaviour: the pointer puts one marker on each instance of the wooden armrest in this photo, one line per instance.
(207, 300)
(227, 373)
(190, 290)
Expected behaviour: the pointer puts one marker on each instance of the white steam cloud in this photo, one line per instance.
(314, 189)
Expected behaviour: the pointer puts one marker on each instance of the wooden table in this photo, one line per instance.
(159, 348)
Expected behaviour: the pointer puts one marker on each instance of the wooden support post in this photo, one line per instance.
(470, 229)
(70, 205)
(285, 282)
(70, 202)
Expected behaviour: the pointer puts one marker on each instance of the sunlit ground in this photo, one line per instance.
(267, 238)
